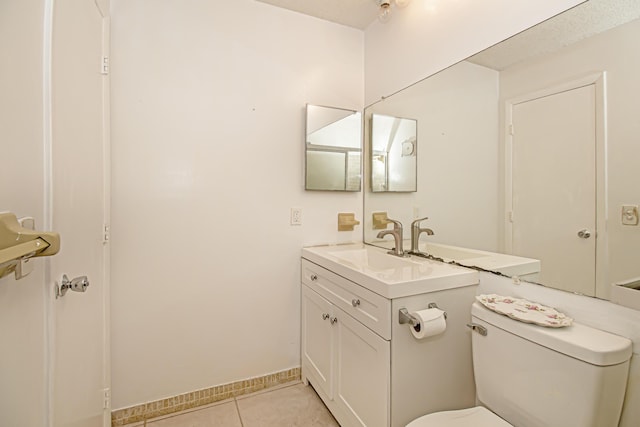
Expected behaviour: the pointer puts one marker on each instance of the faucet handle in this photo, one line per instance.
(416, 223)
(397, 225)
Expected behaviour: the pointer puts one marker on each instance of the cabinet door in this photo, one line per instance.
(317, 341)
(362, 377)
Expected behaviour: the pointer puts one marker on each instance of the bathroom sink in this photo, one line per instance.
(373, 260)
(451, 252)
(388, 275)
(509, 265)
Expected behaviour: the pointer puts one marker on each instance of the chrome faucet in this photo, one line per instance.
(415, 233)
(397, 237)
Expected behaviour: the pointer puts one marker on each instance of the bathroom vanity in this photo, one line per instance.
(367, 367)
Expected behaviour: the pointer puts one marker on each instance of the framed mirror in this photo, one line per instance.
(394, 150)
(333, 154)
(486, 180)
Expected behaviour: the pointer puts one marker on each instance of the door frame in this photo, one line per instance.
(48, 195)
(106, 206)
(597, 79)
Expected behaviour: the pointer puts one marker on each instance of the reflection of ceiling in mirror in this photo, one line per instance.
(585, 20)
(319, 117)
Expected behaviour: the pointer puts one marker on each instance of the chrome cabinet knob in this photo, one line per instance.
(333, 320)
(314, 277)
(325, 316)
(355, 302)
(584, 234)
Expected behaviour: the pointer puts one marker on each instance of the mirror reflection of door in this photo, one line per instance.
(553, 215)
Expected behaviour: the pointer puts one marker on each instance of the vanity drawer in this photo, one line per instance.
(369, 308)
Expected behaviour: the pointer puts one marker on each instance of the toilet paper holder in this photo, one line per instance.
(405, 317)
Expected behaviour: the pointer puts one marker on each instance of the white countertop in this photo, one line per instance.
(388, 275)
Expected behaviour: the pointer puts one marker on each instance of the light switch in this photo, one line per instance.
(630, 214)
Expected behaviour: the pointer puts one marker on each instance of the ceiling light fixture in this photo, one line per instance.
(384, 14)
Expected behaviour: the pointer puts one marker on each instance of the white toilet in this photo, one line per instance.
(532, 376)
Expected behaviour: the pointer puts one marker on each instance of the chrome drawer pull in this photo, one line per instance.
(355, 302)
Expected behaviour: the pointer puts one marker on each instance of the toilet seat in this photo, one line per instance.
(478, 416)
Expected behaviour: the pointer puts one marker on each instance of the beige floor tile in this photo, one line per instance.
(223, 415)
(294, 406)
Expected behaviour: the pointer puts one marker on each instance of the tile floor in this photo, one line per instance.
(291, 405)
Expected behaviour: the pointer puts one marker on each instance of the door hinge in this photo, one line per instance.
(107, 399)
(511, 216)
(106, 233)
(511, 131)
(104, 66)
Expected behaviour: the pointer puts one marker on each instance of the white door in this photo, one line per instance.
(79, 210)
(554, 186)
(362, 374)
(317, 340)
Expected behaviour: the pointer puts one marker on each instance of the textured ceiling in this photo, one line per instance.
(353, 13)
(584, 20)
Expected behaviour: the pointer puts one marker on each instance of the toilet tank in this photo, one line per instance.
(533, 376)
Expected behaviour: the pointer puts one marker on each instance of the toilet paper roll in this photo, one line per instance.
(430, 322)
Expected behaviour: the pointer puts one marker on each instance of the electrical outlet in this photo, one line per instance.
(296, 216)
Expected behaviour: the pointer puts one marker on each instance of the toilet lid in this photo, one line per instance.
(472, 417)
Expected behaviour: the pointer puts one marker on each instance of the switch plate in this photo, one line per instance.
(629, 214)
(296, 216)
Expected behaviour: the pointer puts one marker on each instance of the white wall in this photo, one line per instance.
(615, 52)
(23, 384)
(208, 109)
(207, 133)
(429, 35)
(588, 311)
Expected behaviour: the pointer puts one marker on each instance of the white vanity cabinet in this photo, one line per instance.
(367, 367)
(345, 361)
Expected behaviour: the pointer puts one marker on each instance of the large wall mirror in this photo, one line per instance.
(531, 148)
(333, 154)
